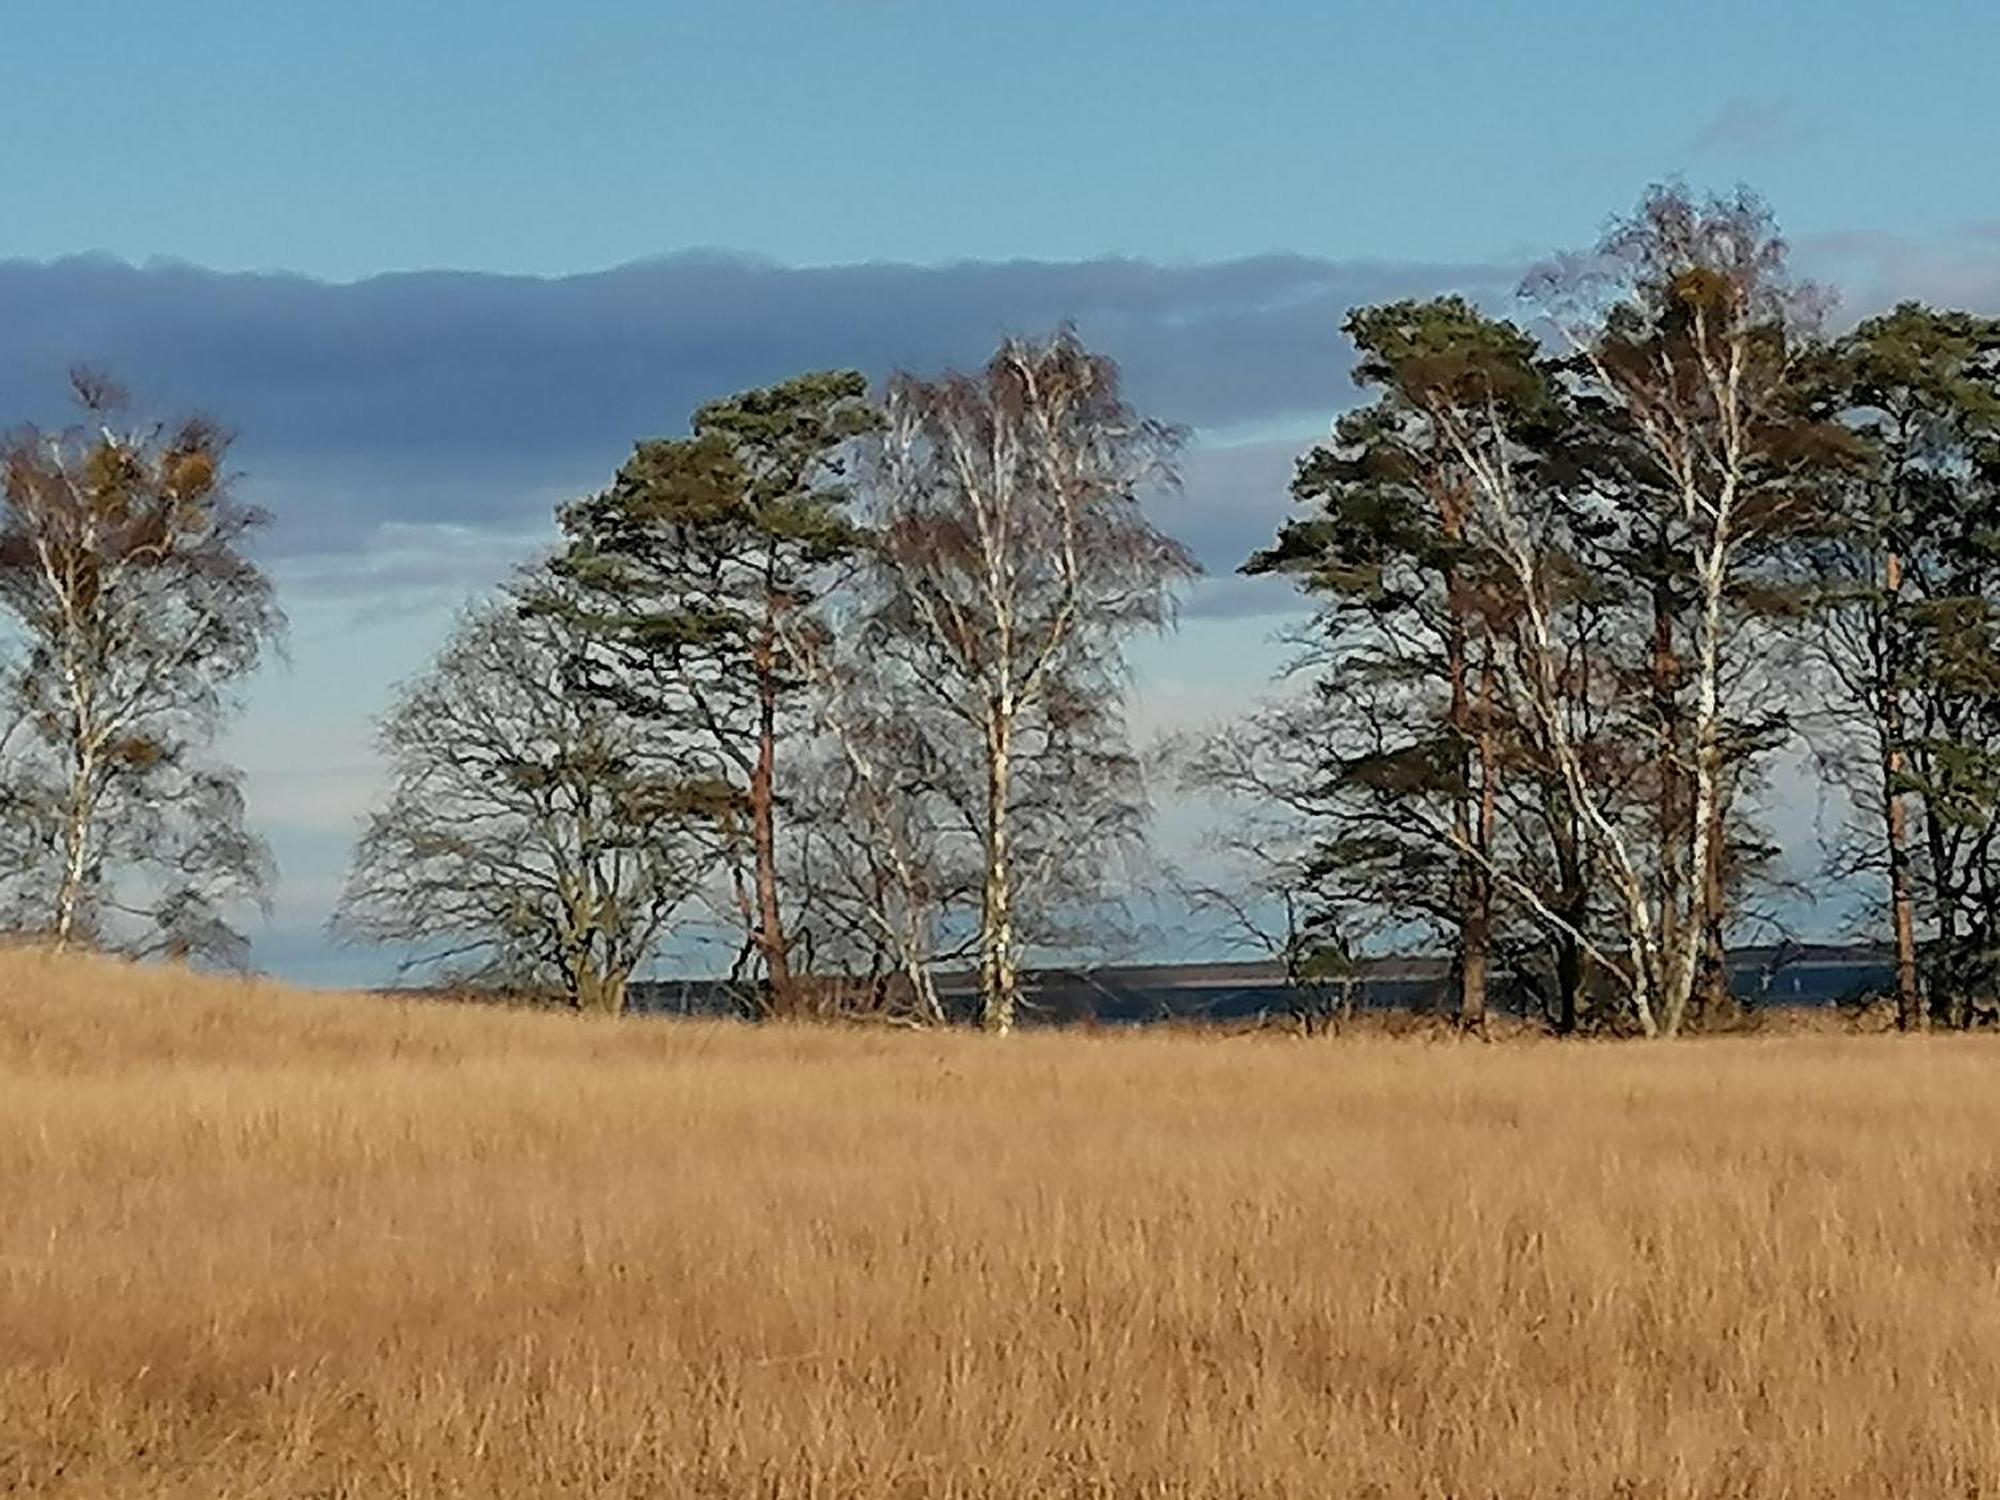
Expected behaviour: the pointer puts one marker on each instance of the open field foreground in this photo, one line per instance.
(257, 1243)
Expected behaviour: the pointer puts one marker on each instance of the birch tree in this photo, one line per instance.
(530, 839)
(1687, 334)
(124, 570)
(1017, 561)
(880, 879)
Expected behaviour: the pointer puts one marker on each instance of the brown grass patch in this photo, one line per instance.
(258, 1243)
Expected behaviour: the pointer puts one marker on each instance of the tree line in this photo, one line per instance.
(1578, 585)
(849, 669)
(845, 666)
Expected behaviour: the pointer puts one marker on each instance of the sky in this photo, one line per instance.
(440, 263)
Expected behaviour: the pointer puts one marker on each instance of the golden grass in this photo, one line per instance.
(259, 1243)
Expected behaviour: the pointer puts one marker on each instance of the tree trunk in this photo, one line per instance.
(599, 993)
(1713, 999)
(1910, 1012)
(1479, 894)
(999, 966)
(78, 816)
(1705, 897)
(764, 844)
(1572, 905)
(1474, 901)
(1944, 907)
(923, 991)
(1569, 983)
(1475, 961)
(1666, 708)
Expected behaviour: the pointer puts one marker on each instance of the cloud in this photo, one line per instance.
(1232, 500)
(1751, 127)
(469, 400)
(1875, 270)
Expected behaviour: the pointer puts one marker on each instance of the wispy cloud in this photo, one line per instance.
(1751, 127)
(1875, 270)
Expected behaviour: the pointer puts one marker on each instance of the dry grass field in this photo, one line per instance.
(259, 1243)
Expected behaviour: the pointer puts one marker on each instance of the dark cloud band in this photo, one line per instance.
(470, 399)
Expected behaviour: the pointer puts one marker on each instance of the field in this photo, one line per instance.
(259, 1243)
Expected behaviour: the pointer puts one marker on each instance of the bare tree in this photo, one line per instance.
(1269, 875)
(122, 566)
(1017, 561)
(530, 839)
(877, 872)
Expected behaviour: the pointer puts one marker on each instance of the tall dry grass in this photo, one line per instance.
(258, 1243)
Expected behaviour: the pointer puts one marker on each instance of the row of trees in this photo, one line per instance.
(848, 671)
(1574, 594)
(845, 668)
(845, 671)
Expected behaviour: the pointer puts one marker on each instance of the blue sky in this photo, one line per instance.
(1205, 188)
(528, 136)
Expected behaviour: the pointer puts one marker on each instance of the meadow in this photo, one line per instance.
(261, 1243)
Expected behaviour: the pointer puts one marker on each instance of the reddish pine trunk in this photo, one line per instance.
(764, 843)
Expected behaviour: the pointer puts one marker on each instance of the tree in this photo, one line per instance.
(1274, 881)
(1412, 616)
(1901, 580)
(1015, 562)
(877, 873)
(531, 839)
(692, 569)
(1688, 337)
(123, 568)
